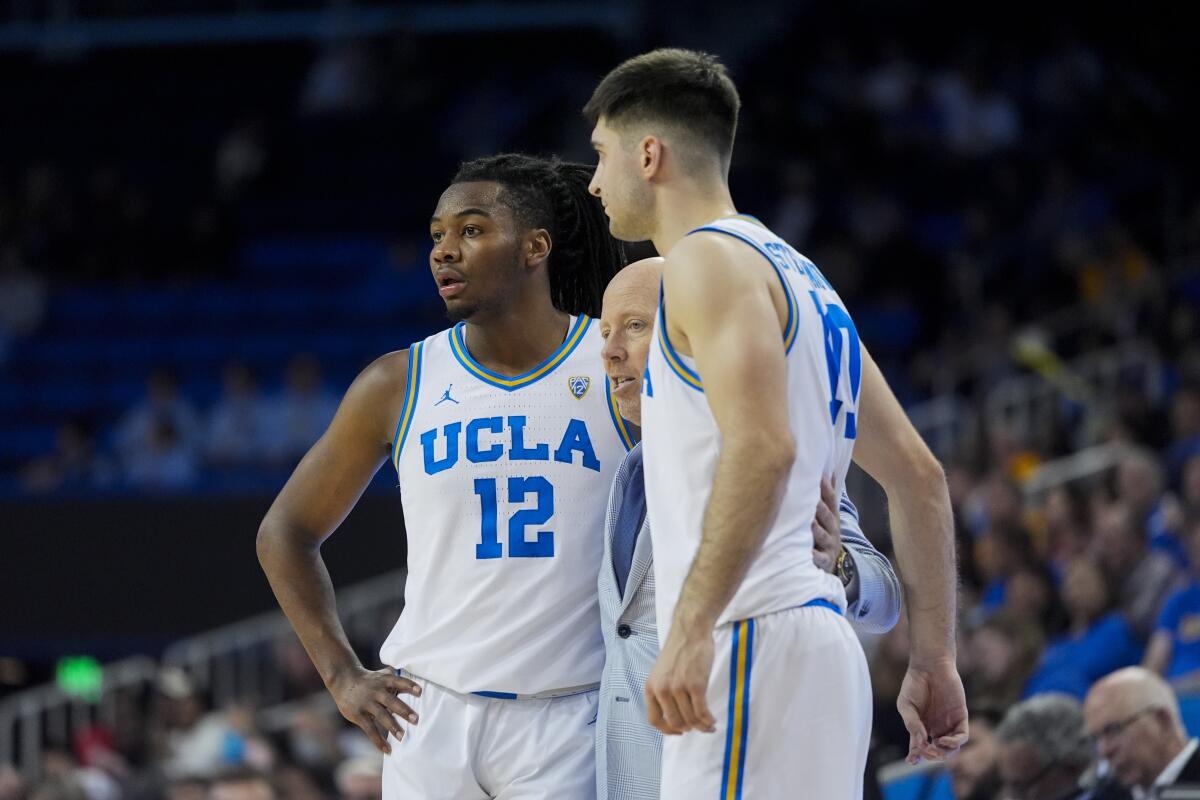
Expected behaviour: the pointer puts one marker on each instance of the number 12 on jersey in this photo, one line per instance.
(518, 545)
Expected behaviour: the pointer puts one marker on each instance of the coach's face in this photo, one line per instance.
(619, 182)
(626, 324)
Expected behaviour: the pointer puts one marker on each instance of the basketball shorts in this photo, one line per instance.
(792, 699)
(468, 747)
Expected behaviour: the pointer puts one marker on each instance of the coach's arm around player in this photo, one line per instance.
(320, 493)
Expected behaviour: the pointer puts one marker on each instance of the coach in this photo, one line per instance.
(628, 750)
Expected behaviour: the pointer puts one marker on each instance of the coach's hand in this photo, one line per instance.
(677, 691)
(826, 529)
(370, 699)
(934, 709)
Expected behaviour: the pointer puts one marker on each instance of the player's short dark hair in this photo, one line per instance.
(686, 89)
(553, 194)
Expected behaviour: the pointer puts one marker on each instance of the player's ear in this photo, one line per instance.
(649, 155)
(537, 247)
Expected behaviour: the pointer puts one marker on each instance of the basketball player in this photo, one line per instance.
(750, 398)
(505, 439)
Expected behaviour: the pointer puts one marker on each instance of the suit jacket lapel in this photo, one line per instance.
(643, 560)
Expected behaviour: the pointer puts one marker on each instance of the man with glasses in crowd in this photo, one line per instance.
(1133, 717)
(1044, 753)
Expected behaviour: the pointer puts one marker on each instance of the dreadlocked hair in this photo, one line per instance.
(553, 194)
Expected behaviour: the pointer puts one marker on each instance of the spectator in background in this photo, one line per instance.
(190, 743)
(1066, 520)
(296, 784)
(973, 772)
(1190, 489)
(1045, 754)
(1144, 578)
(1174, 650)
(142, 423)
(12, 787)
(166, 461)
(301, 413)
(1098, 641)
(186, 789)
(1030, 595)
(1140, 485)
(1134, 719)
(238, 421)
(1185, 431)
(360, 778)
(23, 296)
(242, 785)
(1001, 551)
(74, 464)
(1002, 652)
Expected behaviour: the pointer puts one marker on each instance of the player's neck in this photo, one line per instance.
(517, 341)
(683, 208)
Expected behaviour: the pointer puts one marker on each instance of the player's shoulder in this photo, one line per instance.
(708, 263)
(382, 381)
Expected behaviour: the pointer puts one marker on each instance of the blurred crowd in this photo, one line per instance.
(167, 742)
(165, 442)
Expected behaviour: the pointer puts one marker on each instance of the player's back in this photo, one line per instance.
(504, 483)
(682, 440)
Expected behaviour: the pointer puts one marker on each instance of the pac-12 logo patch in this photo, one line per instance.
(579, 385)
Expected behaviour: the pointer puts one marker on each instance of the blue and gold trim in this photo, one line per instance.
(618, 421)
(689, 376)
(415, 357)
(792, 326)
(737, 725)
(459, 346)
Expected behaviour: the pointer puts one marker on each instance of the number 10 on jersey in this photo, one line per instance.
(518, 545)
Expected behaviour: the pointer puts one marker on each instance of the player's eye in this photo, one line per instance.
(636, 325)
(604, 333)
(471, 230)
(437, 236)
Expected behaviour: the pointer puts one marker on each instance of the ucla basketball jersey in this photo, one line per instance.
(504, 482)
(682, 442)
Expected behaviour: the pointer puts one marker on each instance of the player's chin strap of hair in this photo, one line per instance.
(547, 695)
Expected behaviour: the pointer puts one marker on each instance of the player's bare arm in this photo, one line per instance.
(931, 699)
(320, 493)
(721, 310)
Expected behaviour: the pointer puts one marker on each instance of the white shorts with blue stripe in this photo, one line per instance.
(493, 745)
(792, 699)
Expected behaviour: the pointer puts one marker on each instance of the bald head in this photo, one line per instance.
(1133, 688)
(638, 281)
(1134, 716)
(626, 322)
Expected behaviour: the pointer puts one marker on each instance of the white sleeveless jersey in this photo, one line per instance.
(682, 442)
(504, 483)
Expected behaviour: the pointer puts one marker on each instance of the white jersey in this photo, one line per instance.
(504, 483)
(682, 442)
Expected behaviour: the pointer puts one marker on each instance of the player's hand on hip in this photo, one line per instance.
(826, 529)
(370, 699)
(677, 691)
(934, 708)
